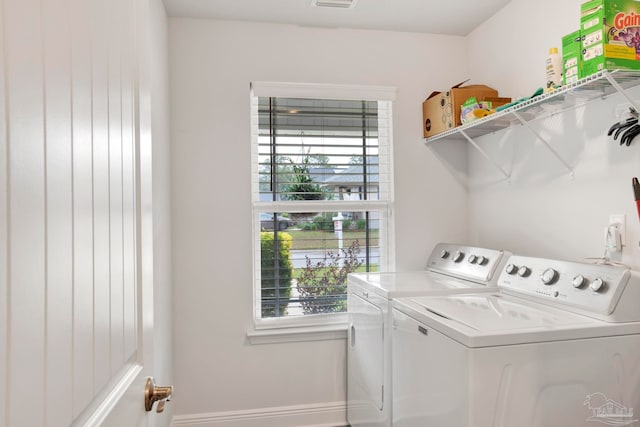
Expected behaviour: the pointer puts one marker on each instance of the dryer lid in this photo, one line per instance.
(495, 312)
(396, 285)
(489, 319)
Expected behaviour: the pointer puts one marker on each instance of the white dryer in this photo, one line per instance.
(556, 345)
(451, 269)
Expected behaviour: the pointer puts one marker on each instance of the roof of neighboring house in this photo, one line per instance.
(321, 174)
(353, 176)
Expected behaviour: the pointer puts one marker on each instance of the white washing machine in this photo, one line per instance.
(451, 268)
(556, 345)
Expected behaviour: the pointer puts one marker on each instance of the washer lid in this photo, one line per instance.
(395, 285)
(490, 319)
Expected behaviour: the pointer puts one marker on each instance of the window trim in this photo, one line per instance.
(282, 334)
(322, 91)
(321, 326)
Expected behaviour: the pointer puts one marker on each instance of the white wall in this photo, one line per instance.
(543, 212)
(211, 65)
(508, 51)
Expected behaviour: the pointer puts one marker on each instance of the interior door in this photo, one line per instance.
(76, 246)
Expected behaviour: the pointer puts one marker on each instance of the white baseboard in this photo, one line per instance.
(331, 414)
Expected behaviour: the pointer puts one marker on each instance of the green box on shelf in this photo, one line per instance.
(610, 31)
(571, 58)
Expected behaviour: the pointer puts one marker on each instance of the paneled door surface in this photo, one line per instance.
(76, 279)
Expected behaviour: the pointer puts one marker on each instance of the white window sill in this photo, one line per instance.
(337, 331)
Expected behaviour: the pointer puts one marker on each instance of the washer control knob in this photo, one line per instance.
(444, 254)
(482, 260)
(524, 271)
(597, 285)
(549, 276)
(472, 259)
(511, 269)
(458, 256)
(578, 281)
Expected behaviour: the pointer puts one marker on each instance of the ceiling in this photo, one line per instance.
(452, 17)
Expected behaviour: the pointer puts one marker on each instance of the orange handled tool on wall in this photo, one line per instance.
(636, 193)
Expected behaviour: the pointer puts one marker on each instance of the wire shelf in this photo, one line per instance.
(599, 85)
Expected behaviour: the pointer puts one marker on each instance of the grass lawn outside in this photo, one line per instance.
(298, 271)
(309, 240)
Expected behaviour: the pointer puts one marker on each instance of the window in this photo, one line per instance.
(322, 197)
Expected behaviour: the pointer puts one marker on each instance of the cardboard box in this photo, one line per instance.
(497, 101)
(571, 58)
(610, 35)
(472, 109)
(441, 110)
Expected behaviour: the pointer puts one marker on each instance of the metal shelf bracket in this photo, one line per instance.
(486, 156)
(544, 141)
(621, 90)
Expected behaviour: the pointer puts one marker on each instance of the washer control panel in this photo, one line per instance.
(480, 265)
(590, 287)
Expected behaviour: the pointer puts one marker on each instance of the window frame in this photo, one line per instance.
(319, 326)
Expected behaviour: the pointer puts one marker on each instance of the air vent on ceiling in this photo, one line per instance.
(343, 4)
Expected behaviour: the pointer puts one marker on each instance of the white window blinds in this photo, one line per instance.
(322, 196)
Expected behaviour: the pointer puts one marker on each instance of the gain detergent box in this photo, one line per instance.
(610, 32)
(571, 58)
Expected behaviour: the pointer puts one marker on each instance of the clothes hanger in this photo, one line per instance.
(627, 129)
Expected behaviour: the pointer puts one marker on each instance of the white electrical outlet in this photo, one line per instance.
(619, 220)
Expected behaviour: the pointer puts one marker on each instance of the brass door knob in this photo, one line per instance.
(154, 393)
